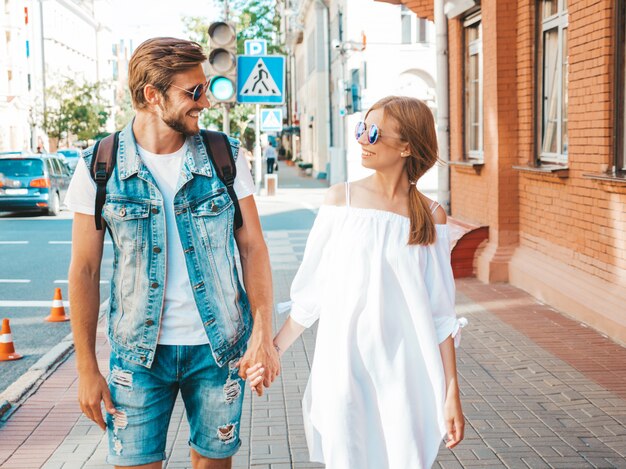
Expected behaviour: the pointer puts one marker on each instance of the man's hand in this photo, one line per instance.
(261, 351)
(92, 391)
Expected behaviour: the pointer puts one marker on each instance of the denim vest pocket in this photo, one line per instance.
(128, 221)
(213, 216)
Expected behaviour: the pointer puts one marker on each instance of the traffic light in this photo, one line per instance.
(222, 63)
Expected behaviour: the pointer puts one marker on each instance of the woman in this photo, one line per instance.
(376, 272)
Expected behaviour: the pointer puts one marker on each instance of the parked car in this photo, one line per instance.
(72, 155)
(33, 182)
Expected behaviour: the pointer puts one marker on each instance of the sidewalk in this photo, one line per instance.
(539, 390)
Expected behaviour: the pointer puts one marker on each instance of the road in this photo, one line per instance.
(34, 260)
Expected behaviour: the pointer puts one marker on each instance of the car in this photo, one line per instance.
(33, 182)
(72, 155)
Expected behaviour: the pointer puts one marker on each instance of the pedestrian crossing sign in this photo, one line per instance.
(271, 120)
(261, 79)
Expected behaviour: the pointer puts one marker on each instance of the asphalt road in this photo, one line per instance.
(34, 260)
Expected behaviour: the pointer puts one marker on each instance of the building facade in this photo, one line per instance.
(42, 43)
(347, 55)
(15, 77)
(537, 148)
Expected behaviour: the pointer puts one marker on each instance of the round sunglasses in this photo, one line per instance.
(374, 132)
(197, 91)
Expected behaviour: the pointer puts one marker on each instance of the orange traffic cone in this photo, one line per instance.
(57, 313)
(7, 349)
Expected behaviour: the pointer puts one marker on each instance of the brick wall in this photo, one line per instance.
(578, 221)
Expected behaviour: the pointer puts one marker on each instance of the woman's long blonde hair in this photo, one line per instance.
(416, 125)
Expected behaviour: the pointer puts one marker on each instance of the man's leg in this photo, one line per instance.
(200, 462)
(213, 398)
(144, 399)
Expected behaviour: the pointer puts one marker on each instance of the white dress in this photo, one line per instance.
(376, 392)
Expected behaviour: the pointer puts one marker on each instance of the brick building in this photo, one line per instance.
(537, 98)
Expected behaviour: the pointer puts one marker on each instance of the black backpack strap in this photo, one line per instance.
(102, 164)
(219, 150)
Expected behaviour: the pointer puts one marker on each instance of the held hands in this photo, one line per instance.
(255, 378)
(92, 391)
(260, 356)
(455, 422)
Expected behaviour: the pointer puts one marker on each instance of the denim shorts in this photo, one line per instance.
(144, 399)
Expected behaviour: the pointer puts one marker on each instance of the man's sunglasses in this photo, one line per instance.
(198, 90)
(373, 135)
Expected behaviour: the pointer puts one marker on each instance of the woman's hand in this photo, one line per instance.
(453, 415)
(254, 376)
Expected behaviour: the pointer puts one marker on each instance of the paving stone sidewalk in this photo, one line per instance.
(539, 391)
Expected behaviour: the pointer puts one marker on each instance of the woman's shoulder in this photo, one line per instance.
(336, 195)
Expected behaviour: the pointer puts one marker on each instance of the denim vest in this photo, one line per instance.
(135, 218)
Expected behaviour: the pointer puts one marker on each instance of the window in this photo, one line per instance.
(473, 64)
(405, 18)
(619, 161)
(422, 30)
(552, 80)
(310, 56)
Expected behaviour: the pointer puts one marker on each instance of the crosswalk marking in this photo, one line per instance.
(28, 304)
(67, 281)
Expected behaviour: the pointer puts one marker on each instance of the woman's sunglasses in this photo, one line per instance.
(361, 128)
(373, 135)
(197, 91)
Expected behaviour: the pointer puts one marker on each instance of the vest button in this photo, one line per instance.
(149, 322)
(155, 210)
(214, 208)
(123, 212)
(154, 285)
(156, 250)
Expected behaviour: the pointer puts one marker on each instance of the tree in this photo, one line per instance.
(75, 110)
(254, 20)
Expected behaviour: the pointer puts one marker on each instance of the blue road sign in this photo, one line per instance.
(271, 120)
(255, 47)
(261, 79)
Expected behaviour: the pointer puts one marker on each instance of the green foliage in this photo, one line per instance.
(124, 111)
(253, 20)
(75, 111)
(258, 20)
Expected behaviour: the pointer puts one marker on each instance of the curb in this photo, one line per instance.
(12, 396)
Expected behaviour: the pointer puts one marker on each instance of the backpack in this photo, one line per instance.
(216, 144)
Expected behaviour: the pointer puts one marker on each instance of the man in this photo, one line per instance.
(178, 317)
(270, 156)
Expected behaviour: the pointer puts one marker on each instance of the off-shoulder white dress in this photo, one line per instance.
(376, 392)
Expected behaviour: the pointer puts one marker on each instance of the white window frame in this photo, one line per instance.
(560, 22)
(475, 48)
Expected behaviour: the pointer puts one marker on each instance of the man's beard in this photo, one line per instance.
(177, 123)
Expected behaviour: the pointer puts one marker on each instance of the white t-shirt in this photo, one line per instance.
(181, 323)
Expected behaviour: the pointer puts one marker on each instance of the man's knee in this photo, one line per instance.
(201, 462)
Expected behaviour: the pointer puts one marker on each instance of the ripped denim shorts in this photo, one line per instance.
(144, 399)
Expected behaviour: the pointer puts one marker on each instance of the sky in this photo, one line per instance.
(143, 19)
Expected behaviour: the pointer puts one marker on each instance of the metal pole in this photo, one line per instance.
(226, 119)
(443, 119)
(258, 166)
(43, 58)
